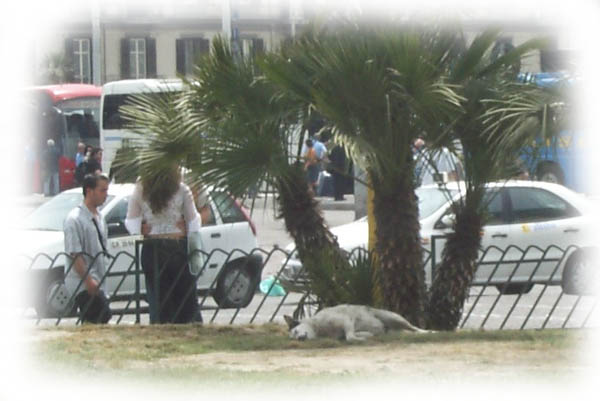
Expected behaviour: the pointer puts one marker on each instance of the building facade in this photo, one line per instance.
(109, 40)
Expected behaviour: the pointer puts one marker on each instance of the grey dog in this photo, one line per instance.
(349, 322)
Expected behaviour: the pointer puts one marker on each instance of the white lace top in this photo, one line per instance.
(180, 206)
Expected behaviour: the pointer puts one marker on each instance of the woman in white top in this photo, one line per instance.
(162, 209)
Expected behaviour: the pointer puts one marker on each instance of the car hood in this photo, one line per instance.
(352, 235)
(44, 246)
(349, 236)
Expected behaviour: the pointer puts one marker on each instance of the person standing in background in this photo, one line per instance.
(50, 169)
(337, 168)
(311, 165)
(80, 155)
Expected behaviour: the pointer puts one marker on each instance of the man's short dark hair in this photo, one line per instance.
(90, 181)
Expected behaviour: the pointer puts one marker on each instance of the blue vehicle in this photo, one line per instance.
(563, 159)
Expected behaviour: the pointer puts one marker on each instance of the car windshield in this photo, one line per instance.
(432, 198)
(51, 215)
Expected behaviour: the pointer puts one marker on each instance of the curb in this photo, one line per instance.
(330, 204)
(325, 202)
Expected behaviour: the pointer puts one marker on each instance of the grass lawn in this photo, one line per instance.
(259, 356)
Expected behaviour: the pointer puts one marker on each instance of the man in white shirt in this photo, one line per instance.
(432, 166)
(85, 234)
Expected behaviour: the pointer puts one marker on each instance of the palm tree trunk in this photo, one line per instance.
(398, 245)
(318, 249)
(451, 281)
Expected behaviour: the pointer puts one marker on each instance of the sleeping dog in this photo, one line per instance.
(350, 322)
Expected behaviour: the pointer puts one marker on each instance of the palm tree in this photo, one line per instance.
(231, 129)
(500, 119)
(379, 88)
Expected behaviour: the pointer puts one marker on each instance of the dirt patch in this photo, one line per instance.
(404, 359)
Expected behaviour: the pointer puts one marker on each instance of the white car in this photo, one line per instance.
(231, 273)
(535, 223)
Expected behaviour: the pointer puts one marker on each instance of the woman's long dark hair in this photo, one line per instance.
(158, 189)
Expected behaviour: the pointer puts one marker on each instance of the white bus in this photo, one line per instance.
(113, 133)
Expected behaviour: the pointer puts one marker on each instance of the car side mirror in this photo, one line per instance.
(447, 221)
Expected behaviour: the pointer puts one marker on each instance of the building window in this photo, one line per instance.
(252, 47)
(81, 61)
(189, 50)
(137, 58)
(78, 60)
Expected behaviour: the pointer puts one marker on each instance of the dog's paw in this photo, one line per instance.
(359, 336)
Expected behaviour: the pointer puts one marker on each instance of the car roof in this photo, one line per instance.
(113, 189)
(578, 200)
(455, 185)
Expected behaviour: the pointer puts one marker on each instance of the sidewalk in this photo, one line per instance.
(325, 202)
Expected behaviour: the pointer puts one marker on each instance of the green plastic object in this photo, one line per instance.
(276, 290)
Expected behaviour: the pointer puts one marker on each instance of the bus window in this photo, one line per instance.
(111, 118)
(115, 131)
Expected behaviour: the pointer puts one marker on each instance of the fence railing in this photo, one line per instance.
(514, 288)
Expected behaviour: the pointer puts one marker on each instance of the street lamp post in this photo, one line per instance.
(96, 43)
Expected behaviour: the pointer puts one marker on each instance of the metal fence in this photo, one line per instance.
(499, 299)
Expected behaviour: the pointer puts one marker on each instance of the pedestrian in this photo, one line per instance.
(162, 209)
(94, 163)
(50, 168)
(337, 167)
(319, 147)
(311, 165)
(439, 166)
(80, 155)
(321, 154)
(82, 169)
(29, 166)
(85, 235)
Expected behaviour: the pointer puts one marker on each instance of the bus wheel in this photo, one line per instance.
(552, 173)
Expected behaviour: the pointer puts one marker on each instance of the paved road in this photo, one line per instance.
(542, 307)
(272, 233)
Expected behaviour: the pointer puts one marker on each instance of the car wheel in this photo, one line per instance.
(580, 274)
(236, 286)
(55, 301)
(550, 173)
(513, 289)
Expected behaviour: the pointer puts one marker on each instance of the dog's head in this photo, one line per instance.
(299, 330)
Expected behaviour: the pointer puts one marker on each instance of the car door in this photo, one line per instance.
(121, 246)
(544, 225)
(495, 238)
(214, 240)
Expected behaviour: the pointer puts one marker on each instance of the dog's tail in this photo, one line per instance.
(394, 321)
